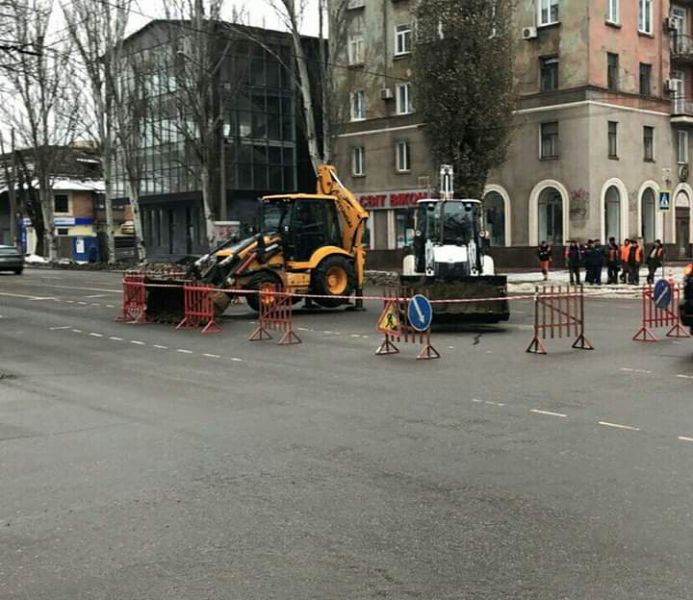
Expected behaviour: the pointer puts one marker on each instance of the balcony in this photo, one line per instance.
(681, 47)
(682, 111)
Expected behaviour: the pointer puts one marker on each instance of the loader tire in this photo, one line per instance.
(258, 283)
(334, 276)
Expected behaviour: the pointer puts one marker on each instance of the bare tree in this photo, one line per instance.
(45, 110)
(196, 48)
(9, 165)
(130, 104)
(467, 104)
(97, 30)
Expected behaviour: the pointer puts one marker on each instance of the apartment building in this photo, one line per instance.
(602, 125)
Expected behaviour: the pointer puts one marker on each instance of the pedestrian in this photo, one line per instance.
(624, 259)
(544, 256)
(613, 255)
(588, 253)
(655, 259)
(634, 261)
(574, 260)
(598, 261)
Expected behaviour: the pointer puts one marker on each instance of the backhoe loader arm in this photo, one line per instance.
(353, 215)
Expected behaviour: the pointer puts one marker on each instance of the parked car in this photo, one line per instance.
(11, 259)
(687, 301)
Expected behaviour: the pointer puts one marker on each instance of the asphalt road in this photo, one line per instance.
(140, 462)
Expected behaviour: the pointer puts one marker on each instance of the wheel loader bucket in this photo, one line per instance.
(490, 290)
(165, 299)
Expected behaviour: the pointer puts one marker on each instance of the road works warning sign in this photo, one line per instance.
(388, 323)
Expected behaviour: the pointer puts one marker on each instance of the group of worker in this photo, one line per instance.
(593, 256)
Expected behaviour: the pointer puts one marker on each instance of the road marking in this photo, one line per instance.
(110, 306)
(83, 303)
(212, 355)
(137, 342)
(43, 298)
(476, 400)
(95, 304)
(627, 370)
(236, 359)
(57, 328)
(95, 296)
(619, 426)
(548, 413)
(96, 334)
(683, 438)
(183, 351)
(69, 301)
(76, 331)
(685, 376)
(160, 347)
(115, 338)
(494, 403)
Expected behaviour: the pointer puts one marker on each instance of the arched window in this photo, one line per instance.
(612, 213)
(494, 218)
(648, 213)
(551, 216)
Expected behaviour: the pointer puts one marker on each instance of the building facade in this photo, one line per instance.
(602, 124)
(260, 147)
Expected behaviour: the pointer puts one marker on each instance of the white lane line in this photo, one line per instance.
(355, 335)
(116, 338)
(627, 370)
(110, 306)
(83, 303)
(685, 376)
(43, 298)
(683, 438)
(96, 334)
(69, 301)
(476, 400)
(302, 329)
(494, 403)
(183, 351)
(56, 328)
(96, 296)
(95, 304)
(137, 342)
(212, 355)
(160, 347)
(619, 426)
(548, 413)
(236, 359)
(76, 331)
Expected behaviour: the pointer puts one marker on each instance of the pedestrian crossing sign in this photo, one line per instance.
(388, 322)
(664, 199)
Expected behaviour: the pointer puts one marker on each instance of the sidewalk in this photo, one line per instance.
(522, 283)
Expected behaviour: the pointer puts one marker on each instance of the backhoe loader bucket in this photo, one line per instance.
(466, 288)
(165, 300)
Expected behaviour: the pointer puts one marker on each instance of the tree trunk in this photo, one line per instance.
(206, 206)
(108, 201)
(49, 223)
(304, 84)
(134, 192)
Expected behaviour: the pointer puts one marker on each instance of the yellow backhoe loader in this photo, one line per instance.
(307, 244)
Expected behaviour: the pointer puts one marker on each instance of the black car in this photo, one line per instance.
(11, 259)
(687, 301)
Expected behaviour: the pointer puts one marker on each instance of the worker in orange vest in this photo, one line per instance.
(624, 259)
(634, 262)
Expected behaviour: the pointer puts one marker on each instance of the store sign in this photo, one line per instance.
(391, 199)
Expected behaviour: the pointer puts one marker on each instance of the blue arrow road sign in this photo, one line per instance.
(420, 313)
(662, 294)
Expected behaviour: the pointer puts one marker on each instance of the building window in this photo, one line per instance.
(403, 157)
(549, 140)
(548, 12)
(63, 231)
(645, 16)
(613, 15)
(494, 218)
(61, 203)
(645, 79)
(358, 162)
(548, 68)
(358, 106)
(648, 143)
(402, 39)
(356, 47)
(404, 104)
(682, 146)
(551, 216)
(613, 139)
(612, 71)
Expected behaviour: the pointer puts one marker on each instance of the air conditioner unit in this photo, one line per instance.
(669, 24)
(387, 94)
(529, 33)
(669, 85)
